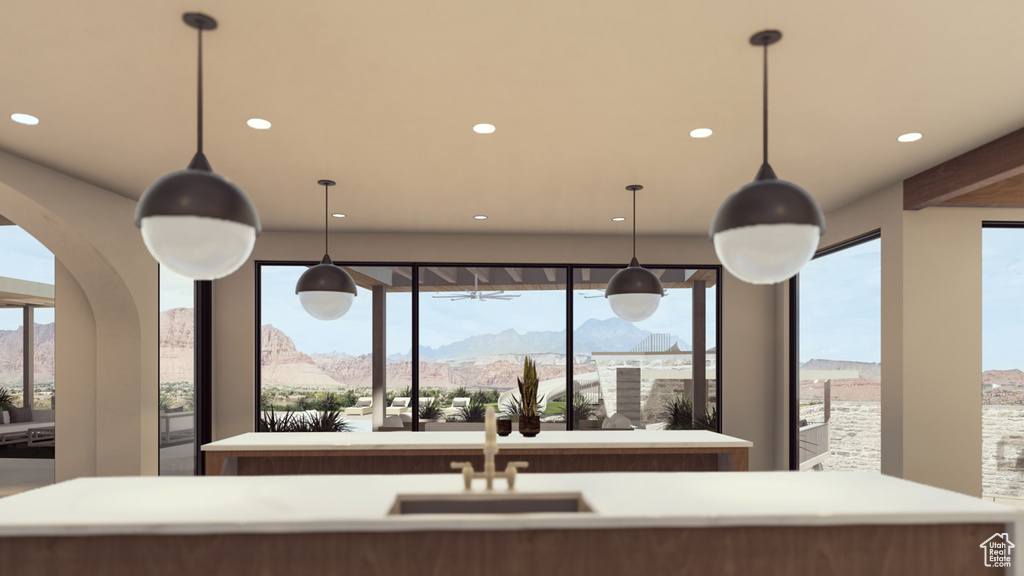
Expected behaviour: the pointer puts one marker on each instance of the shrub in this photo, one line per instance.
(327, 401)
(348, 398)
(271, 421)
(6, 400)
(430, 410)
(326, 421)
(582, 409)
(306, 403)
(678, 414)
(476, 411)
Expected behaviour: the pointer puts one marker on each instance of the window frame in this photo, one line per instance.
(416, 266)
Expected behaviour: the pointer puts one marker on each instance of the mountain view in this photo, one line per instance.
(611, 335)
(11, 357)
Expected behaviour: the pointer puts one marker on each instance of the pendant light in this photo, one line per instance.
(325, 290)
(766, 231)
(195, 221)
(634, 292)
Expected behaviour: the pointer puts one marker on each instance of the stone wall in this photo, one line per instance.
(855, 442)
(1002, 450)
(855, 438)
(653, 367)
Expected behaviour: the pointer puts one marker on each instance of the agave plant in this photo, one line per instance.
(582, 409)
(430, 410)
(271, 421)
(476, 411)
(528, 388)
(326, 421)
(6, 400)
(678, 414)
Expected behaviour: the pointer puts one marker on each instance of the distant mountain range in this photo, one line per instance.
(611, 335)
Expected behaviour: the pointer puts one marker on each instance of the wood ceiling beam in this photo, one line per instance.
(446, 273)
(515, 273)
(550, 273)
(982, 167)
(585, 272)
(484, 274)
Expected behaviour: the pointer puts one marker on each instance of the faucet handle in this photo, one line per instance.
(467, 474)
(510, 473)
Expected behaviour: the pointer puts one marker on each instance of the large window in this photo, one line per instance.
(318, 375)
(177, 395)
(27, 385)
(839, 349)
(477, 325)
(456, 341)
(645, 371)
(1002, 379)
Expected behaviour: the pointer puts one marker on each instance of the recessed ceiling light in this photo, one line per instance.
(910, 137)
(26, 119)
(258, 123)
(338, 215)
(618, 219)
(700, 133)
(480, 217)
(484, 128)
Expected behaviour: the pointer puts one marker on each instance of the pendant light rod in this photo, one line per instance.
(199, 98)
(765, 38)
(200, 22)
(764, 110)
(327, 186)
(633, 188)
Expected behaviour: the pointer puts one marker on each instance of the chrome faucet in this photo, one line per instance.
(490, 449)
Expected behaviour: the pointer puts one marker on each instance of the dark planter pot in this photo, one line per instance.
(529, 426)
(504, 427)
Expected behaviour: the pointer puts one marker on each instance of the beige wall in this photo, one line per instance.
(107, 323)
(106, 292)
(748, 360)
(931, 334)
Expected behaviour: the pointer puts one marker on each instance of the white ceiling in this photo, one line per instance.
(588, 96)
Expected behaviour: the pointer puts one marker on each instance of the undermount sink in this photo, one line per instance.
(489, 503)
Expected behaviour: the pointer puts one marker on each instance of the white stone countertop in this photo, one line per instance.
(547, 439)
(356, 503)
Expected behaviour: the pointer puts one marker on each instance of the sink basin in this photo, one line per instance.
(489, 503)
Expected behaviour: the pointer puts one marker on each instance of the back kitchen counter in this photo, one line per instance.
(268, 453)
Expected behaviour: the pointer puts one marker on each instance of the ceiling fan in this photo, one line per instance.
(476, 294)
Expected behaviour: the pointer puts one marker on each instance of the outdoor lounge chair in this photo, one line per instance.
(457, 405)
(363, 406)
(400, 405)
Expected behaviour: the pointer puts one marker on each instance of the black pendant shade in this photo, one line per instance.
(326, 277)
(634, 280)
(326, 291)
(197, 191)
(634, 292)
(767, 200)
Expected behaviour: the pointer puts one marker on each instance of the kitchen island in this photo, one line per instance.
(765, 523)
(268, 453)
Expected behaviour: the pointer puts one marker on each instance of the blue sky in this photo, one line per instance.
(443, 321)
(840, 305)
(1002, 284)
(23, 257)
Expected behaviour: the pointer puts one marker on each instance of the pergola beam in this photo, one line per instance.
(515, 273)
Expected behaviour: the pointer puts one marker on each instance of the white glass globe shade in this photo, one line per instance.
(326, 304)
(767, 253)
(634, 307)
(198, 247)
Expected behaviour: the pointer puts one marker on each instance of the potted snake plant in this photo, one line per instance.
(529, 420)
